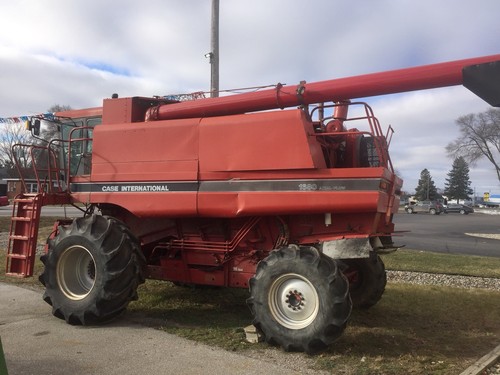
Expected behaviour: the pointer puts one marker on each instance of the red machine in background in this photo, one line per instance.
(295, 205)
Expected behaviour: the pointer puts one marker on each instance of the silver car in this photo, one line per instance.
(431, 207)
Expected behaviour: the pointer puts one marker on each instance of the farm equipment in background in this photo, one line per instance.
(295, 205)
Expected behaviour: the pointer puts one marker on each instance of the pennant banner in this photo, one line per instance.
(20, 119)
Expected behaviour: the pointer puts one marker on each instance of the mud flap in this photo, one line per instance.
(347, 248)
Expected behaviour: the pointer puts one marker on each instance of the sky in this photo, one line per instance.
(79, 52)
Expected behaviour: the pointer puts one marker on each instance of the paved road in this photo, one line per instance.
(447, 233)
(35, 342)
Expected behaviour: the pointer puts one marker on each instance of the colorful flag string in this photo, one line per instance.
(20, 119)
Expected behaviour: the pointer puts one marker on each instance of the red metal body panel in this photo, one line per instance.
(78, 113)
(255, 164)
(146, 151)
(126, 110)
(268, 141)
(285, 203)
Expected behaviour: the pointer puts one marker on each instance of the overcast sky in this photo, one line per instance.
(80, 51)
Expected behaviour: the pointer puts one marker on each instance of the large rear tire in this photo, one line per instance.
(299, 299)
(92, 270)
(367, 280)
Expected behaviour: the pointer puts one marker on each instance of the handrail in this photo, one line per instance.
(373, 123)
(71, 141)
(33, 158)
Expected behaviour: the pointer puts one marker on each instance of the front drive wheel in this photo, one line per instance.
(367, 280)
(299, 299)
(92, 270)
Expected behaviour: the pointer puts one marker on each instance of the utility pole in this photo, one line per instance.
(214, 53)
(428, 184)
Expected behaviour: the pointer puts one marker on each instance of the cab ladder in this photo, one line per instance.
(23, 235)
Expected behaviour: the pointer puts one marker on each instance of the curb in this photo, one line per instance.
(483, 363)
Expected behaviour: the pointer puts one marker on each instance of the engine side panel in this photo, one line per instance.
(268, 141)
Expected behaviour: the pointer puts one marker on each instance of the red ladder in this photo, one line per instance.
(23, 235)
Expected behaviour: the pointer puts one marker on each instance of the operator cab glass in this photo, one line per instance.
(77, 143)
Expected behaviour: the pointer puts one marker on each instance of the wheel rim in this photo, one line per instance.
(293, 301)
(76, 272)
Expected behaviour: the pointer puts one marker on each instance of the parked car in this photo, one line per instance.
(460, 208)
(4, 201)
(431, 207)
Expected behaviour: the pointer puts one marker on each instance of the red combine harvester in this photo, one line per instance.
(295, 205)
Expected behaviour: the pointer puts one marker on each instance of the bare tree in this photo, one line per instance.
(480, 137)
(59, 108)
(50, 131)
(10, 134)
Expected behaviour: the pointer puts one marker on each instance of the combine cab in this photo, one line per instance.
(295, 205)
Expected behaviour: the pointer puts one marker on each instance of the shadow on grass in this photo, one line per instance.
(195, 307)
(419, 328)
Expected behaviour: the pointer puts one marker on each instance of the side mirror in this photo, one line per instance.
(33, 125)
(36, 126)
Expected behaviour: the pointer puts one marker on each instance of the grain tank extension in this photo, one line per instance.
(296, 205)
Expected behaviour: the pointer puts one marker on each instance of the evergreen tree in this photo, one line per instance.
(457, 185)
(426, 190)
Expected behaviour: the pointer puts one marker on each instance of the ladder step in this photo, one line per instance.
(23, 218)
(16, 237)
(23, 200)
(17, 256)
(23, 234)
(15, 274)
(27, 208)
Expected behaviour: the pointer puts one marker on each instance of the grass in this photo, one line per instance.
(424, 261)
(418, 330)
(203, 314)
(414, 329)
